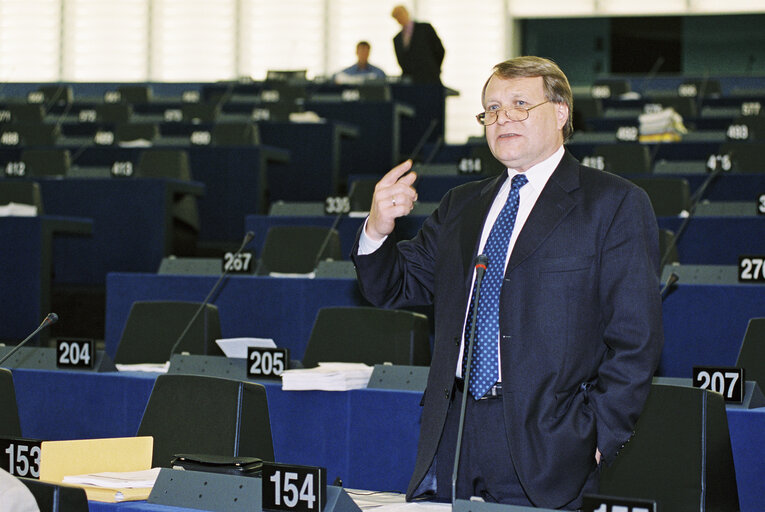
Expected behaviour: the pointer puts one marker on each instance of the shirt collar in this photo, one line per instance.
(541, 172)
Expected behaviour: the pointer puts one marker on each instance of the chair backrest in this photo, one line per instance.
(207, 415)
(746, 157)
(129, 132)
(669, 196)
(235, 134)
(368, 335)
(9, 419)
(23, 192)
(490, 166)
(164, 163)
(360, 194)
(26, 113)
(200, 112)
(113, 112)
(46, 162)
(135, 93)
(153, 327)
(624, 158)
(751, 355)
(57, 497)
(30, 134)
(298, 249)
(680, 454)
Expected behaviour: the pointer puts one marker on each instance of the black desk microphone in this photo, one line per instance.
(247, 239)
(481, 262)
(52, 318)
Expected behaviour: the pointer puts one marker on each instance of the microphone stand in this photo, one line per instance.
(247, 239)
(695, 198)
(671, 280)
(52, 318)
(480, 267)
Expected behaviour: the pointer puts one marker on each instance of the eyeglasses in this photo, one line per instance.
(513, 114)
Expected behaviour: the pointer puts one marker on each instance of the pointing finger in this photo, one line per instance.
(394, 174)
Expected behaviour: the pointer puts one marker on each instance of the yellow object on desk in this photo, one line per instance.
(59, 459)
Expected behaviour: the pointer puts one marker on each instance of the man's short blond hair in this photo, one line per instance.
(556, 86)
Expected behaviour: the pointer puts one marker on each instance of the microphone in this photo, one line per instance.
(481, 263)
(324, 242)
(671, 280)
(247, 239)
(434, 152)
(52, 318)
(695, 198)
(421, 142)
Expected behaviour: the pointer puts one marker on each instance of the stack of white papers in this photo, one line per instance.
(328, 377)
(18, 210)
(144, 367)
(116, 479)
(237, 347)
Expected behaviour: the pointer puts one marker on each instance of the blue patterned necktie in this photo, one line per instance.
(485, 366)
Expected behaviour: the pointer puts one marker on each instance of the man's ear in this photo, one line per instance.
(561, 114)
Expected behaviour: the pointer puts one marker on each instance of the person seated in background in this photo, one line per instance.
(362, 70)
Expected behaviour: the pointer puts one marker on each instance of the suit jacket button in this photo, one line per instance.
(446, 392)
(457, 340)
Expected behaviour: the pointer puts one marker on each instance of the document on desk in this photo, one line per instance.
(115, 486)
(328, 377)
(237, 347)
(18, 210)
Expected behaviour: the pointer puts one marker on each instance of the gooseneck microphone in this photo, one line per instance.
(671, 280)
(481, 262)
(694, 200)
(52, 318)
(247, 239)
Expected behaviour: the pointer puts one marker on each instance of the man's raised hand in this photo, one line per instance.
(394, 197)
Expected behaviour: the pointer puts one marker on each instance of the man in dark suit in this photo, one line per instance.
(418, 49)
(576, 331)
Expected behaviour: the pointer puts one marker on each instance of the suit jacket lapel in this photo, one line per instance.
(553, 204)
(473, 218)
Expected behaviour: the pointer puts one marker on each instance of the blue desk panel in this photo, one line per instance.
(235, 179)
(26, 266)
(267, 307)
(377, 147)
(704, 325)
(132, 221)
(366, 437)
(313, 170)
(717, 240)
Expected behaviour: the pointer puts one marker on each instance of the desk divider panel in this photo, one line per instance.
(218, 492)
(480, 506)
(753, 396)
(400, 377)
(214, 366)
(44, 358)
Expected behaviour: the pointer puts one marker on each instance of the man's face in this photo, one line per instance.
(362, 51)
(522, 144)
